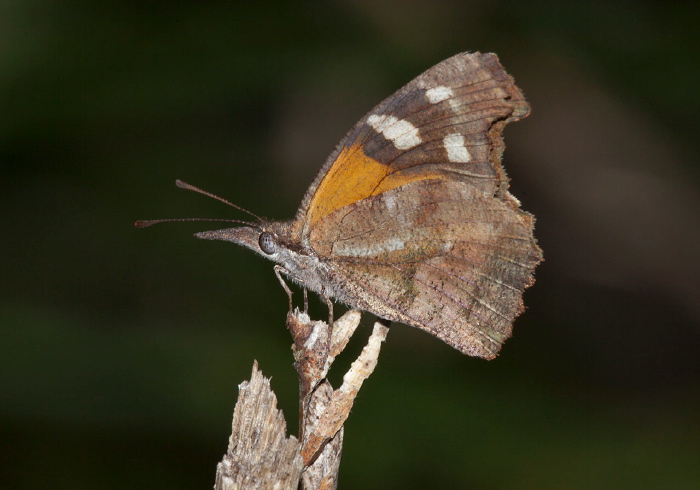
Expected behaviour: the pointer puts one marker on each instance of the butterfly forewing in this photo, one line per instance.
(440, 125)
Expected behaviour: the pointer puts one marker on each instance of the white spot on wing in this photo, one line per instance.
(394, 244)
(402, 133)
(438, 94)
(373, 249)
(391, 204)
(456, 151)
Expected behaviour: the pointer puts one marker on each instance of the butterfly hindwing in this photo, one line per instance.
(437, 256)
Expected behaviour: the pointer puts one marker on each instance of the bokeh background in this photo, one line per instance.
(121, 349)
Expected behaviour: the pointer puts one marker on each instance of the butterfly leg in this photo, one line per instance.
(306, 301)
(278, 272)
(329, 303)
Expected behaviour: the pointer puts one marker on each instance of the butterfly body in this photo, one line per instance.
(411, 219)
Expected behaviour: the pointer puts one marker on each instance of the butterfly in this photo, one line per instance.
(410, 217)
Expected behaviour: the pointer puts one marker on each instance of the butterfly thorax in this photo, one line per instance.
(302, 264)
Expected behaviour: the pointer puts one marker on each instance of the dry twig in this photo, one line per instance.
(260, 455)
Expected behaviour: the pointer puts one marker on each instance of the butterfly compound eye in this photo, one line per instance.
(267, 242)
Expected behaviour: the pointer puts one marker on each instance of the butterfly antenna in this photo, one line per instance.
(189, 187)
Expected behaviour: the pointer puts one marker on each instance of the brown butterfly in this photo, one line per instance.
(410, 218)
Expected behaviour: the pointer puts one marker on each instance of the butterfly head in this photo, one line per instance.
(267, 238)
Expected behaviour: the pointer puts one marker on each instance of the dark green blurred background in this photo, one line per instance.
(121, 349)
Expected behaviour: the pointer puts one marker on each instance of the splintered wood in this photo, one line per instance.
(337, 408)
(260, 455)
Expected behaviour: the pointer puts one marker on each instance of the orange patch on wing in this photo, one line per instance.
(355, 176)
